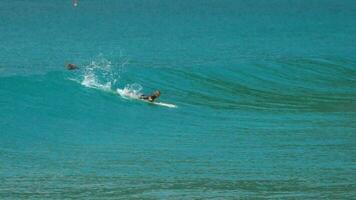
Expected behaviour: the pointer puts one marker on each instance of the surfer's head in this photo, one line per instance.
(71, 66)
(157, 93)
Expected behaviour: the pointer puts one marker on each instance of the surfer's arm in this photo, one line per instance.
(148, 98)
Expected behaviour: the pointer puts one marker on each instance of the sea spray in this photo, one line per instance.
(131, 91)
(101, 73)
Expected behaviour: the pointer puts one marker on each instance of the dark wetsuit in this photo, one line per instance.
(150, 98)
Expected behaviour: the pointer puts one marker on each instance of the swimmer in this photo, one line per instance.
(152, 97)
(71, 66)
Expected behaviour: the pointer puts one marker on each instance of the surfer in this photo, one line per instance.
(71, 66)
(152, 97)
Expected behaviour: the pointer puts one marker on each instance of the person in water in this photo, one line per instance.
(152, 97)
(71, 66)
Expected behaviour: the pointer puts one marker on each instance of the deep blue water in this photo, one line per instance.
(265, 95)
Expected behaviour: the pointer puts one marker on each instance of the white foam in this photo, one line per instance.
(132, 91)
(101, 73)
(91, 82)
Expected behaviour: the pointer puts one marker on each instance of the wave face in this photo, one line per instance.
(264, 95)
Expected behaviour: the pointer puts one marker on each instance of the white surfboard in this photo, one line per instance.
(163, 104)
(131, 95)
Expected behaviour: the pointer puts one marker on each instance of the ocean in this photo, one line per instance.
(261, 99)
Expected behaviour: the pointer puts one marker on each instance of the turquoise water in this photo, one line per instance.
(265, 95)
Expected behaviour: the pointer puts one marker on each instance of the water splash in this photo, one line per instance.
(90, 80)
(131, 91)
(102, 74)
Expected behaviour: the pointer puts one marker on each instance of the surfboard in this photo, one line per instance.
(127, 95)
(163, 104)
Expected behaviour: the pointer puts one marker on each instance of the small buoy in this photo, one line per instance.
(75, 3)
